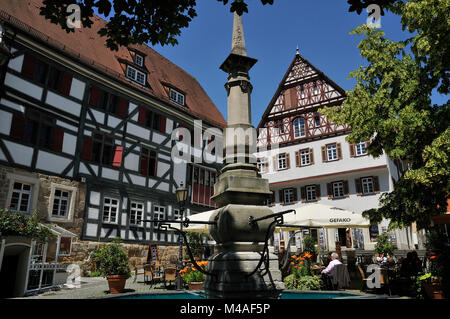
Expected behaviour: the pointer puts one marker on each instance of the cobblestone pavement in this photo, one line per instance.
(94, 287)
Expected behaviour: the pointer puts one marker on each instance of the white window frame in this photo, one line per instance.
(132, 74)
(311, 190)
(261, 163)
(338, 189)
(135, 211)
(367, 186)
(288, 195)
(159, 212)
(360, 149)
(140, 58)
(177, 97)
(111, 206)
(332, 151)
(299, 127)
(282, 161)
(176, 214)
(305, 158)
(71, 205)
(24, 179)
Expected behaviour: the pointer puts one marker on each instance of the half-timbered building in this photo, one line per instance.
(307, 159)
(85, 132)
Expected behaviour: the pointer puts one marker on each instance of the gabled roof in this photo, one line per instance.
(301, 71)
(86, 46)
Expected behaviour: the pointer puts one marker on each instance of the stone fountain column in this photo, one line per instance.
(240, 191)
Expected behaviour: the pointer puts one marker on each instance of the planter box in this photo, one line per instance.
(116, 283)
(196, 285)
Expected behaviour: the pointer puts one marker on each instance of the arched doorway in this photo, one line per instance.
(14, 269)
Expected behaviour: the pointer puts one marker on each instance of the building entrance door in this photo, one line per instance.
(8, 276)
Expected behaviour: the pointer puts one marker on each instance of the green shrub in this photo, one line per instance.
(111, 260)
(290, 282)
(18, 224)
(302, 283)
(384, 245)
(309, 244)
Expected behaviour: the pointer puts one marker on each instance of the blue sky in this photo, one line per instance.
(320, 28)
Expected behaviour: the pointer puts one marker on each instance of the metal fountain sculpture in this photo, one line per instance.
(241, 266)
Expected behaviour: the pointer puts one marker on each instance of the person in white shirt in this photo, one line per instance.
(330, 268)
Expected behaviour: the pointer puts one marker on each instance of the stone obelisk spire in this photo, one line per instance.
(240, 191)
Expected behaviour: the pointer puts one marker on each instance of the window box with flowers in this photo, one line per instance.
(193, 277)
(14, 223)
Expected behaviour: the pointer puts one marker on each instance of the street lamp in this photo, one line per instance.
(181, 194)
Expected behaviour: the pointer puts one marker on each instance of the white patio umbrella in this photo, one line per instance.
(323, 216)
(197, 228)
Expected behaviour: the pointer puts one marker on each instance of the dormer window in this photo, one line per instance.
(139, 60)
(177, 97)
(135, 75)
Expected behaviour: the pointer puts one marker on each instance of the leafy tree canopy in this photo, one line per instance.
(133, 21)
(391, 105)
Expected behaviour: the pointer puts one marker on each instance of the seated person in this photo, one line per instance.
(327, 273)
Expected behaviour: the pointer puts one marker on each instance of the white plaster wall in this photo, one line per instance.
(131, 162)
(69, 143)
(110, 174)
(138, 131)
(52, 163)
(77, 89)
(13, 105)
(23, 86)
(16, 63)
(5, 122)
(63, 103)
(162, 169)
(21, 154)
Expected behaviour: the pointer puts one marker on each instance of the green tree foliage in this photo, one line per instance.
(111, 260)
(391, 105)
(133, 21)
(14, 223)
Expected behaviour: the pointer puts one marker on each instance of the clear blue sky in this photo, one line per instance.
(319, 27)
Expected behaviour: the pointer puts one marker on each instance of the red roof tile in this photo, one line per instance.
(95, 53)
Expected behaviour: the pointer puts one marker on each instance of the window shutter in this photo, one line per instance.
(352, 150)
(288, 161)
(339, 150)
(58, 138)
(142, 115)
(66, 83)
(330, 190)
(358, 186)
(117, 161)
(297, 158)
(28, 65)
(122, 107)
(318, 195)
(311, 156)
(294, 99)
(294, 190)
(346, 190)
(87, 149)
(287, 99)
(144, 165)
(303, 194)
(275, 163)
(376, 184)
(272, 199)
(18, 126)
(163, 123)
(95, 95)
(281, 196)
(324, 154)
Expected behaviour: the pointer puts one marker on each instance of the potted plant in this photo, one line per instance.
(112, 262)
(384, 245)
(193, 277)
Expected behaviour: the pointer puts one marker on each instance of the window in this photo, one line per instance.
(305, 157)
(282, 161)
(34, 69)
(280, 127)
(310, 193)
(118, 105)
(361, 148)
(302, 90)
(315, 88)
(136, 213)
(136, 76)
(59, 81)
(37, 129)
(332, 152)
(338, 189)
(262, 164)
(21, 197)
(139, 60)
(102, 150)
(148, 162)
(299, 127)
(159, 212)
(367, 185)
(61, 202)
(110, 210)
(159, 122)
(289, 196)
(374, 232)
(145, 117)
(65, 246)
(202, 185)
(317, 119)
(176, 214)
(177, 97)
(98, 98)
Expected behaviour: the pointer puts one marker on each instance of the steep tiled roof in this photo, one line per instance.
(89, 48)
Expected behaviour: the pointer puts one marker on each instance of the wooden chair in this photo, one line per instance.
(364, 280)
(170, 274)
(155, 275)
(139, 270)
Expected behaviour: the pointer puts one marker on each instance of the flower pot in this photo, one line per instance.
(433, 290)
(116, 283)
(195, 285)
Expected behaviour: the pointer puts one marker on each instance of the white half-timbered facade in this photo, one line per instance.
(71, 108)
(307, 159)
